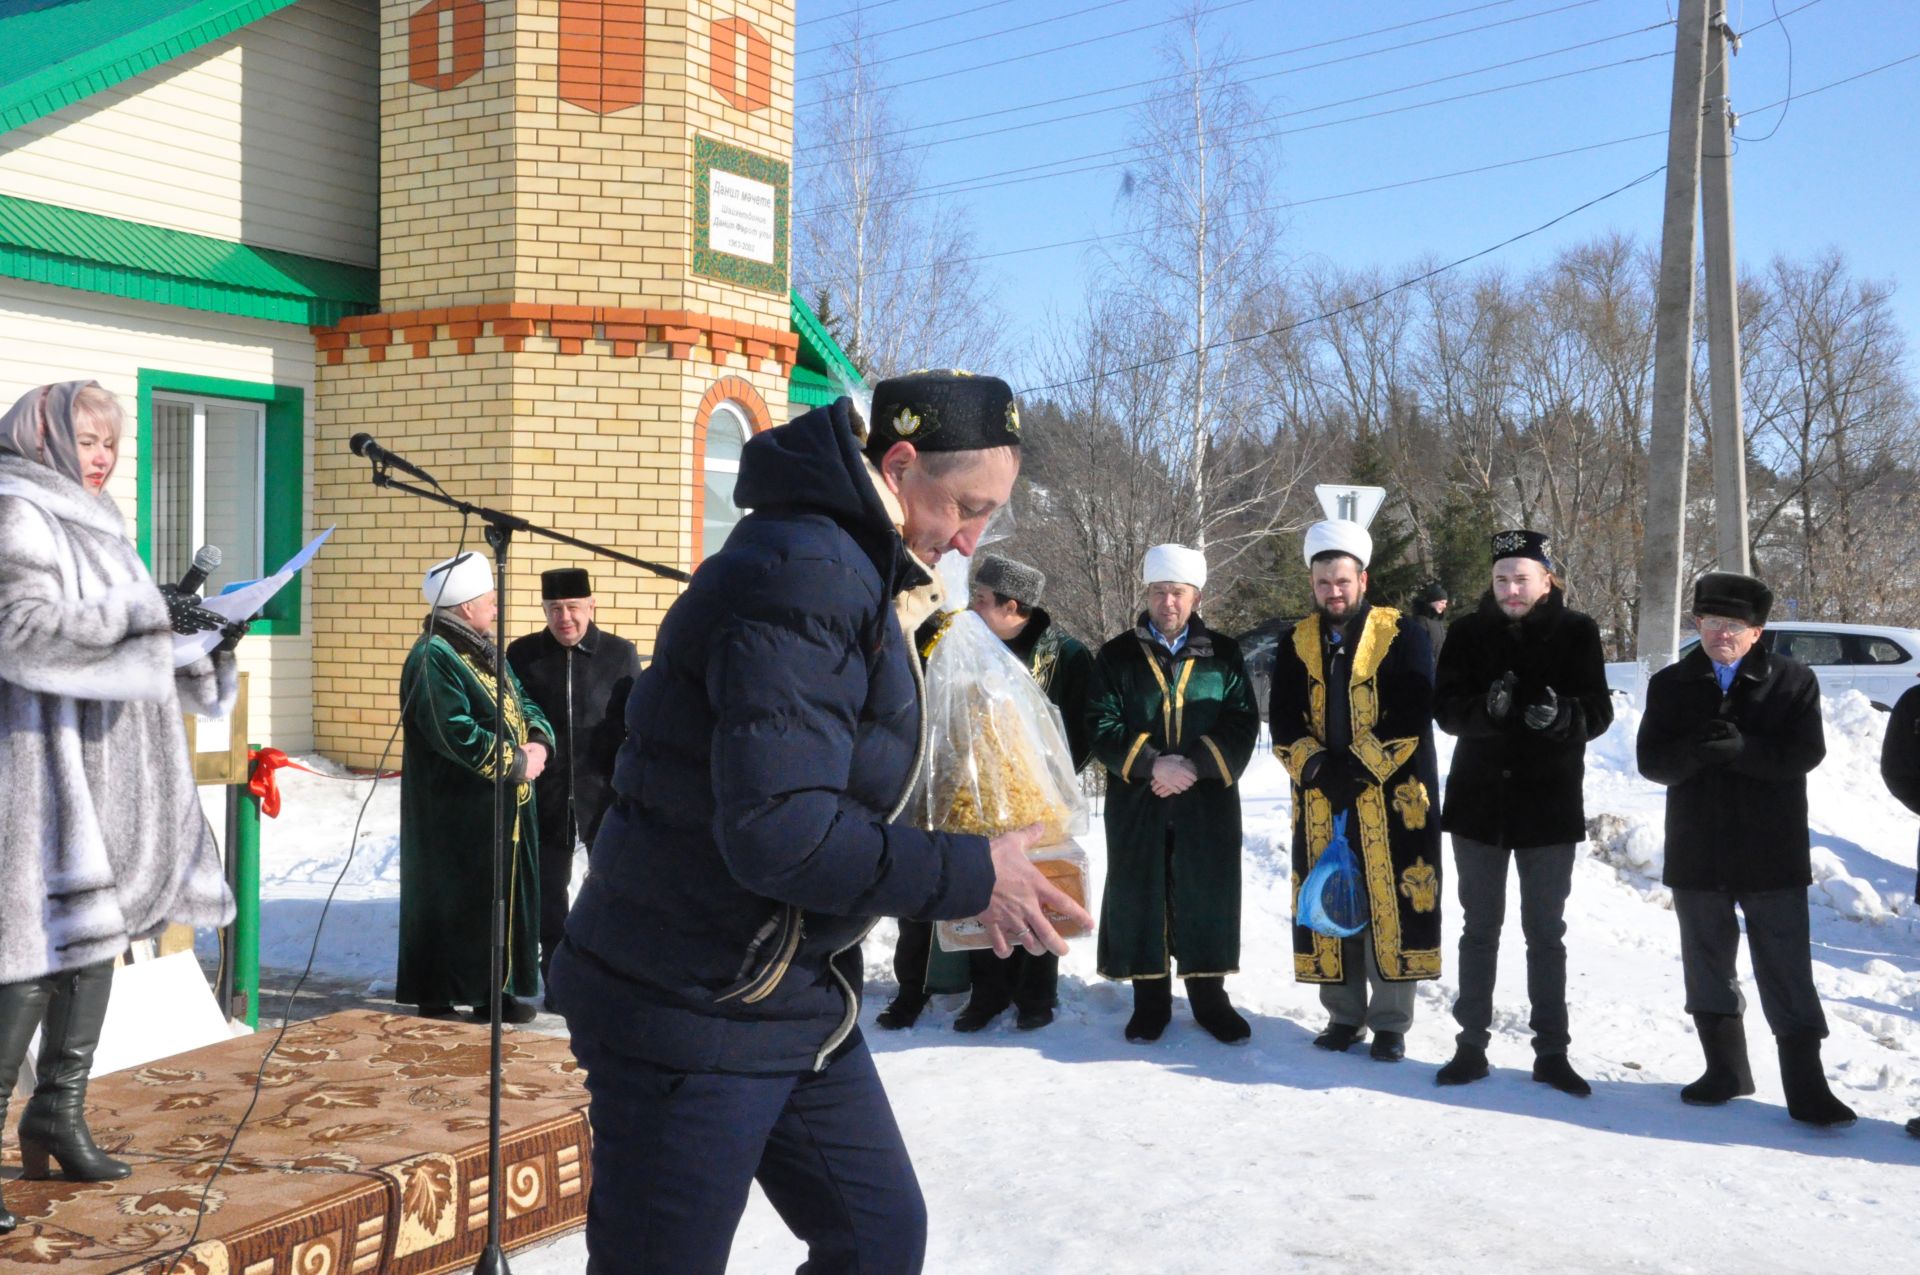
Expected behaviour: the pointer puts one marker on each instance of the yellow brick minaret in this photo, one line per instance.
(584, 250)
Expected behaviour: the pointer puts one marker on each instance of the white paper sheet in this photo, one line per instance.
(240, 601)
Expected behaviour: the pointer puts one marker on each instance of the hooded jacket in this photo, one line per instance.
(770, 744)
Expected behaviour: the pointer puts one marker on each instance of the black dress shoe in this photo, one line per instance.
(1468, 1064)
(512, 1010)
(443, 1012)
(902, 1013)
(1555, 1070)
(978, 1015)
(1339, 1037)
(1388, 1047)
(1033, 1019)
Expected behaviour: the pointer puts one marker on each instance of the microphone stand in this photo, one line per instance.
(500, 531)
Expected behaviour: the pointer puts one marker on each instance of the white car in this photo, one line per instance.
(1879, 662)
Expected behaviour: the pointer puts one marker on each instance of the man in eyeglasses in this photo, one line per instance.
(1733, 730)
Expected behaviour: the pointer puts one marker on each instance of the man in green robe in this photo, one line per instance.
(1352, 719)
(454, 747)
(1173, 719)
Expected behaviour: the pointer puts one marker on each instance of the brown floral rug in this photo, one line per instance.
(366, 1153)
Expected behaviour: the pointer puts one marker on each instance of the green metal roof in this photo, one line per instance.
(65, 50)
(819, 354)
(72, 249)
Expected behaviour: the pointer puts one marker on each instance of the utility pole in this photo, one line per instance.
(1659, 635)
(1723, 301)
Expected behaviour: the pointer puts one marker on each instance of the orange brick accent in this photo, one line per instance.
(388, 335)
(727, 388)
(603, 54)
(752, 91)
(469, 43)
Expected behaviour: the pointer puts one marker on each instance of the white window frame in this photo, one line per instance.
(197, 513)
(719, 413)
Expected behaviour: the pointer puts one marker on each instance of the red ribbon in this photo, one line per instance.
(263, 785)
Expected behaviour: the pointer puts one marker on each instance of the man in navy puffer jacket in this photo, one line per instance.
(711, 971)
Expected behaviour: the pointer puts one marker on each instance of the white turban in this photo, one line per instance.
(457, 580)
(1339, 535)
(1174, 564)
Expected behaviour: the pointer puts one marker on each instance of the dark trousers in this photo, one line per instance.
(910, 953)
(1777, 936)
(1546, 878)
(674, 1154)
(556, 874)
(1023, 980)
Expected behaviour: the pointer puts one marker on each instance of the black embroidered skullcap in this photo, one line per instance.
(1010, 579)
(1520, 543)
(943, 412)
(562, 583)
(1737, 597)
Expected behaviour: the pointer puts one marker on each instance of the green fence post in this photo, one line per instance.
(246, 901)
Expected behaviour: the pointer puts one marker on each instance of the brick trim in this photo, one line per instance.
(469, 43)
(727, 389)
(752, 91)
(687, 336)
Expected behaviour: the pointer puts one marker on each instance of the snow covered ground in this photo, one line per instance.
(1069, 1150)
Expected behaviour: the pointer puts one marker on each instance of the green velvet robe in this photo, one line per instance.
(1396, 828)
(446, 827)
(1198, 705)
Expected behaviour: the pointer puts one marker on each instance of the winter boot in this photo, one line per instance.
(1805, 1080)
(22, 1006)
(1152, 1009)
(1468, 1064)
(1213, 1011)
(1555, 1070)
(55, 1121)
(903, 1011)
(1388, 1046)
(1339, 1037)
(1723, 1038)
(980, 1012)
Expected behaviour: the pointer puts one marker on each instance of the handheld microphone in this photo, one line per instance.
(206, 561)
(363, 445)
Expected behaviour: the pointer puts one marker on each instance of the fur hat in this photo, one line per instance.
(458, 579)
(1737, 597)
(1010, 579)
(1174, 564)
(1431, 591)
(1339, 535)
(562, 583)
(942, 412)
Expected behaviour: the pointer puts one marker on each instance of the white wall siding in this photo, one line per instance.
(57, 334)
(268, 136)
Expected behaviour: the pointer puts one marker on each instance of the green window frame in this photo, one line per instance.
(283, 497)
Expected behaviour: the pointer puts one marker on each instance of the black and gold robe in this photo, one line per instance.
(1395, 826)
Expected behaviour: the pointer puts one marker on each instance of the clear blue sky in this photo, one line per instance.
(1840, 170)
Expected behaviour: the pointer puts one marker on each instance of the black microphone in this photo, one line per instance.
(206, 561)
(363, 445)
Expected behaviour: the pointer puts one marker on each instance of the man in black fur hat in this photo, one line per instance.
(1733, 730)
(1523, 683)
(579, 675)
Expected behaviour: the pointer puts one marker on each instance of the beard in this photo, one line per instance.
(1337, 617)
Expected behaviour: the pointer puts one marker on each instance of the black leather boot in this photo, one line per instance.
(55, 1121)
(1152, 1009)
(1468, 1064)
(1805, 1080)
(1723, 1039)
(22, 1006)
(1213, 1011)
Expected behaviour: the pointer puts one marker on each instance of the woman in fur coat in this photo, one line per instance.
(101, 837)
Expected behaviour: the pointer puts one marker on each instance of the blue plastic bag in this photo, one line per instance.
(1333, 898)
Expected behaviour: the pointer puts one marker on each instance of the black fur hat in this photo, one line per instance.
(1734, 596)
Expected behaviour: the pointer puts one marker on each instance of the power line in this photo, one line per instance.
(907, 26)
(1240, 62)
(1788, 100)
(1002, 31)
(846, 13)
(1281, 207)
(1777, 16)
(1128, 155)
(1874, 70)
(1403, 88)
(1352, 305)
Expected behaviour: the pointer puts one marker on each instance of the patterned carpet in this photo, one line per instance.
(365, 1154)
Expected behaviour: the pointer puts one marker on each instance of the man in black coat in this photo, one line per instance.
(1430, 609)
(579, 675)
(711, 970)
(1523, 683)
(1733, 730)
(1900, 767)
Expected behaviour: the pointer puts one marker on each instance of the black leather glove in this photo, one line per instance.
(1543, 713)
(186, 615)
(1500, 698)
(230, 634)
(1337, 776)
(1719, 742)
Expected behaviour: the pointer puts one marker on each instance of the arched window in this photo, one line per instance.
(727, 431)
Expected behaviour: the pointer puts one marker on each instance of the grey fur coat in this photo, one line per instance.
(102, 839)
